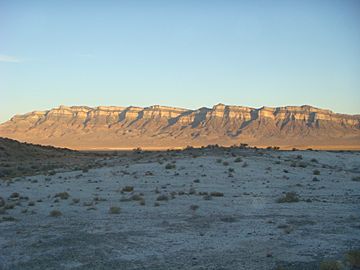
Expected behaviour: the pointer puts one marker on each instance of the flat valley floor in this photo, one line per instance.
(195, 209)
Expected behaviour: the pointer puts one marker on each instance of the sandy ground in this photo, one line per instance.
(246, 228)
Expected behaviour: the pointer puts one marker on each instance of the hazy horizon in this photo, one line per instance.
(182, 54)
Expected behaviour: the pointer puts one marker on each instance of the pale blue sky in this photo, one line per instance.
(179, 53)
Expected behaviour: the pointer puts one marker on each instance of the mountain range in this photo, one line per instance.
(161, 127)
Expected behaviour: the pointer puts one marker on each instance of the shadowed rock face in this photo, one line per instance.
(156, 126)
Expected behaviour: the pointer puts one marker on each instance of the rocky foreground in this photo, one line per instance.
(160, 127)
(196, 209)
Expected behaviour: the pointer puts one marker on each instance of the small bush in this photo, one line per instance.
(114, 210)
(217, 194)
(62, 195)
(356, 178)
(55, 213)
(316, 172)
(225, 163)
(289, 197)
(194, 207)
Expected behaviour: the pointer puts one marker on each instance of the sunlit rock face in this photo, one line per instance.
(113, 126)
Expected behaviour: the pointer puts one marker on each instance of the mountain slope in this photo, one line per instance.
(82, 127)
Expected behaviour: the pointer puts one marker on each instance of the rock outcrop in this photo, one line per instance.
(82, 127)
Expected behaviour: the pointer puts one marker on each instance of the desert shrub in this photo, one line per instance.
(353, 257)
(192, 191)
(55, 213)
(2, 202)
(142, 201)
(156, 204)
(128, 189)
(316, 172)
(228, 219)
(219, 160)
(162, 197)
(314, 160)
(216, 194)
(245, 165)
(62, 195)
(75, 200)
(136, 197)
(114, 210)
(31, 203)
(231, 170)
(289, 197)
(15, 195)
(330, 265)
(225, 163)
(194, 207)
(207, 197)
(302, 164)
(356, 178)
(170, 166)
(239, 159)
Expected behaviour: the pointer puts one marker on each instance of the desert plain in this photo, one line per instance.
(209, 208)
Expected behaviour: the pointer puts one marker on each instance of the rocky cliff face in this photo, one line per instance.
(159, 126)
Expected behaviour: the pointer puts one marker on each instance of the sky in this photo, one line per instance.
(181, 53)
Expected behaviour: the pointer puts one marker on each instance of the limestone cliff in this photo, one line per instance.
(83, 127)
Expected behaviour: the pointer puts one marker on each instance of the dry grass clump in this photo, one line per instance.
(237, 160)
(14, 195)
(142, 202)
(62, 195)
(55, 213)
(2, 202)
(353, 257)
(216, 194)
(128, 189)
(136, 197)
(114, 210)
(289, 197)
(162, 197)
(170, 166)
(330, 265)
(76, 200)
